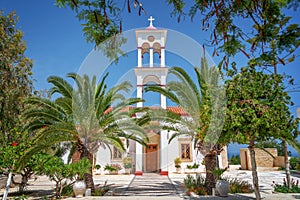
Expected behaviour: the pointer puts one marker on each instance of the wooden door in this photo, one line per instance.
(151, 158)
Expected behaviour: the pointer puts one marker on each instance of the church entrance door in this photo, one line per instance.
(151, 158)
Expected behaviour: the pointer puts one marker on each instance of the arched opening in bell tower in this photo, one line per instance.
(145, 59)
(151, 98)
(156, 59)
(145, 54)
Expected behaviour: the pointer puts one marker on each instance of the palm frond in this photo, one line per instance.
(60, 86)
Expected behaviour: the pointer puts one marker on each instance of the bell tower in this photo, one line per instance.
(151, 41)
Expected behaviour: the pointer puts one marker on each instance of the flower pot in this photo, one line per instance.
(114, 172)
(98, 171)
(79, 188)
(127, 170)
(222, 188)
(178, 170)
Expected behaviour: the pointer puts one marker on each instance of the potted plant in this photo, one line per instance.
(127, 163)
(189, 168)
(222, 185)
(80, 168)
(98, 167)
(177, 162)
(113, 168)
(193, 167)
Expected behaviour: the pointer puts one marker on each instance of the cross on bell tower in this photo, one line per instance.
(151, 19)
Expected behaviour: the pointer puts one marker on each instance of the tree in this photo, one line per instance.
(257, 109)
(15, 84)
(84, 115)
(258, 29)
(101, 18)
(204, 103)
(16, 73)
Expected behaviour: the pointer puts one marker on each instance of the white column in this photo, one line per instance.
(151, 57)
(164, 159)
(163, 100)
(162, 57)
(138, 146)
(140, 64)
(139, 94)
(138, 157)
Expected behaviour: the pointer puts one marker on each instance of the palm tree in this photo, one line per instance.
(84, 114)
(204, 102)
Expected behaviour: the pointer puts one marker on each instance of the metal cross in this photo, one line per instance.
(151, 19)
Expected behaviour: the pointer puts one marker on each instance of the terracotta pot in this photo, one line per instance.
(79, 188)
(222, 188)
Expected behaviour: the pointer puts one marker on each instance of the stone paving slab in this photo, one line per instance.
(230, 197)
(151, 185)
(130, 198)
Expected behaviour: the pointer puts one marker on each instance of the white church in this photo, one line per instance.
(159, 154)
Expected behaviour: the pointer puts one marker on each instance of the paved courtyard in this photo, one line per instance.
(154, 186)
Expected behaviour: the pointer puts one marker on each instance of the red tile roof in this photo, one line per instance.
(175, 109)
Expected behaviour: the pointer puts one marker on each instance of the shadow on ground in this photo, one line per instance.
(229, 197)
(33, 194)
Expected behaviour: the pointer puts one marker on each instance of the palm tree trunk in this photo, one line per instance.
(254, 170)
(287, 164)
(210, 165)
(88, 177)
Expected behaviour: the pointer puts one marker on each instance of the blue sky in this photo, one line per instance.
(56, 43)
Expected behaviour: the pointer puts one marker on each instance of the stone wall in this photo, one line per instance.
(224, 158)
(263, 159)
(279, 161)
(3, 180)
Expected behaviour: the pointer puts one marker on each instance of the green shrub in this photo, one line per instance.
(112, 167)
(67, 190)
(194, 166)
(235, 160)
(239, 186)
(23, 197)
(127, 162)
(177, 162)
(284, 188)
(295, 163)
(196, 185)
(100, 191)
(218, 173)
(97, 166)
